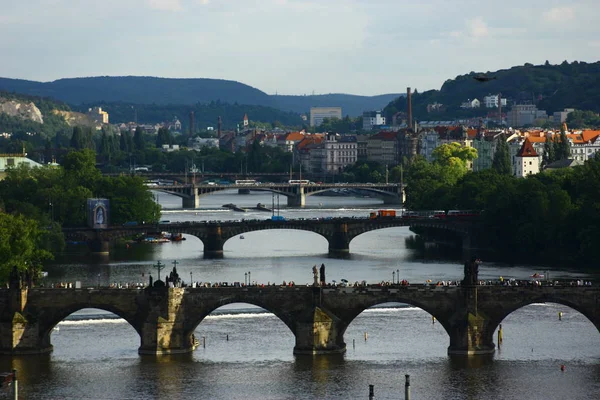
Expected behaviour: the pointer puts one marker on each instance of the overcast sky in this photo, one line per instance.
(293, 46)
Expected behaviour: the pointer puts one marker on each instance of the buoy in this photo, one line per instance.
(563, 368)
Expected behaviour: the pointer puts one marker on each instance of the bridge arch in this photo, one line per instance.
(496, 318)
(203, 310)
(51, 318)
(353, 313)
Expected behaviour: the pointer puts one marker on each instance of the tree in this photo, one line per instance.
(77, 139)
(123, 142)
(453, 159)
(20, 245)
(501, 161)
(163, 137)
(138, 139)
(549, 157)
(562, 147)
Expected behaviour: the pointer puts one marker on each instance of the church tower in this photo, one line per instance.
(245, 120)
(527, 161)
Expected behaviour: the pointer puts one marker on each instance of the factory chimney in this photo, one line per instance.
(192, 124)
(219, 123)
(409, 108)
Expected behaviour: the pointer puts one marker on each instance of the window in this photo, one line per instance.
(10, 162)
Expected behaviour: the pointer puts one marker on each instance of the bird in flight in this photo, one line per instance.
(483, 78)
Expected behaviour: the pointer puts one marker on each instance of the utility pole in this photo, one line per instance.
(386, 174)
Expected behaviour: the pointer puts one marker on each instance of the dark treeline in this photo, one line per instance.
(550, 218)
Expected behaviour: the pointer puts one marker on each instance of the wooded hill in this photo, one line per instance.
(550, 87)
(164, 91)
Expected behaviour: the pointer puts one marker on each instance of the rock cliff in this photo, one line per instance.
(21, 110)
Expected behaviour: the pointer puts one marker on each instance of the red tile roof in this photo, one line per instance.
(527, 150)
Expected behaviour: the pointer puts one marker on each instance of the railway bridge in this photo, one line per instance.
(339, 232)
(165, 318)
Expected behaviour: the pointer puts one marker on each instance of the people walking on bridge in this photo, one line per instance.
(322, 271)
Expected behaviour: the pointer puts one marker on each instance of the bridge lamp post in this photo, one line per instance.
(246, 278)
(249, 279)
(191, 278)
(398, 275)
(393, 277)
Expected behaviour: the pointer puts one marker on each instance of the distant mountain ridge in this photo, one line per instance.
(184, 91)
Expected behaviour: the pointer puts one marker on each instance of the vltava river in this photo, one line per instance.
(95, 353)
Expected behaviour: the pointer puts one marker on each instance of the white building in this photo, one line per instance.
(318, 114)
(13, 161)
(491, 101)
(372, 119)
(526, 161)
(471, 104)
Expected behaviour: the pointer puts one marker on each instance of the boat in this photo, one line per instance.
(234, 207)
(261, 207)
(242, 237)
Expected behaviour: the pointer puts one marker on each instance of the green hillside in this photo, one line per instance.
(550, 87)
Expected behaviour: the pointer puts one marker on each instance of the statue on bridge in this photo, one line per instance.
(322, 271)
(471, 272)
(315, 276)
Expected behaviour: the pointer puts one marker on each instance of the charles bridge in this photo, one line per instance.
(295, 193)
(165, 318)
(339, 232)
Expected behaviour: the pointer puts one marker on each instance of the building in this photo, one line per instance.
(491, 101)
(471, 104)
(526, 162)
(558, 117)
(14, 160)
(372, 119)
(525, 114)
(383, 148)
(318, 114)
(97, 115)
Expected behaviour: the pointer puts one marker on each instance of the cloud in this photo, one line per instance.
(166, 5)
(203, 2)
(477, 28)
(559, 14)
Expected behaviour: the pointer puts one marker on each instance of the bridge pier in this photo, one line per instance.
(213, 242)
(100, 247)
(297, 200)
(164, 331)
(339, 242)
(470, 334)
(193, 201)
(320, 333)
(19, 332)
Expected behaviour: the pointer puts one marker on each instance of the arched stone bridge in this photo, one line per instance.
(295, 194)
(339, 232)
(165, 318)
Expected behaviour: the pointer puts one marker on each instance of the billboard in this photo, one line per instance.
(98, 213)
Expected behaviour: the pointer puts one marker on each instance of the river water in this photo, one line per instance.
(95, 353)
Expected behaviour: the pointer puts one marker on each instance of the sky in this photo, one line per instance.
(364, 47)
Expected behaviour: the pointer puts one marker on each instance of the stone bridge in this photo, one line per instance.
(165, 318)
(339, 232)
(296, 194)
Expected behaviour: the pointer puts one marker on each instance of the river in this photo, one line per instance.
(95, 353)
